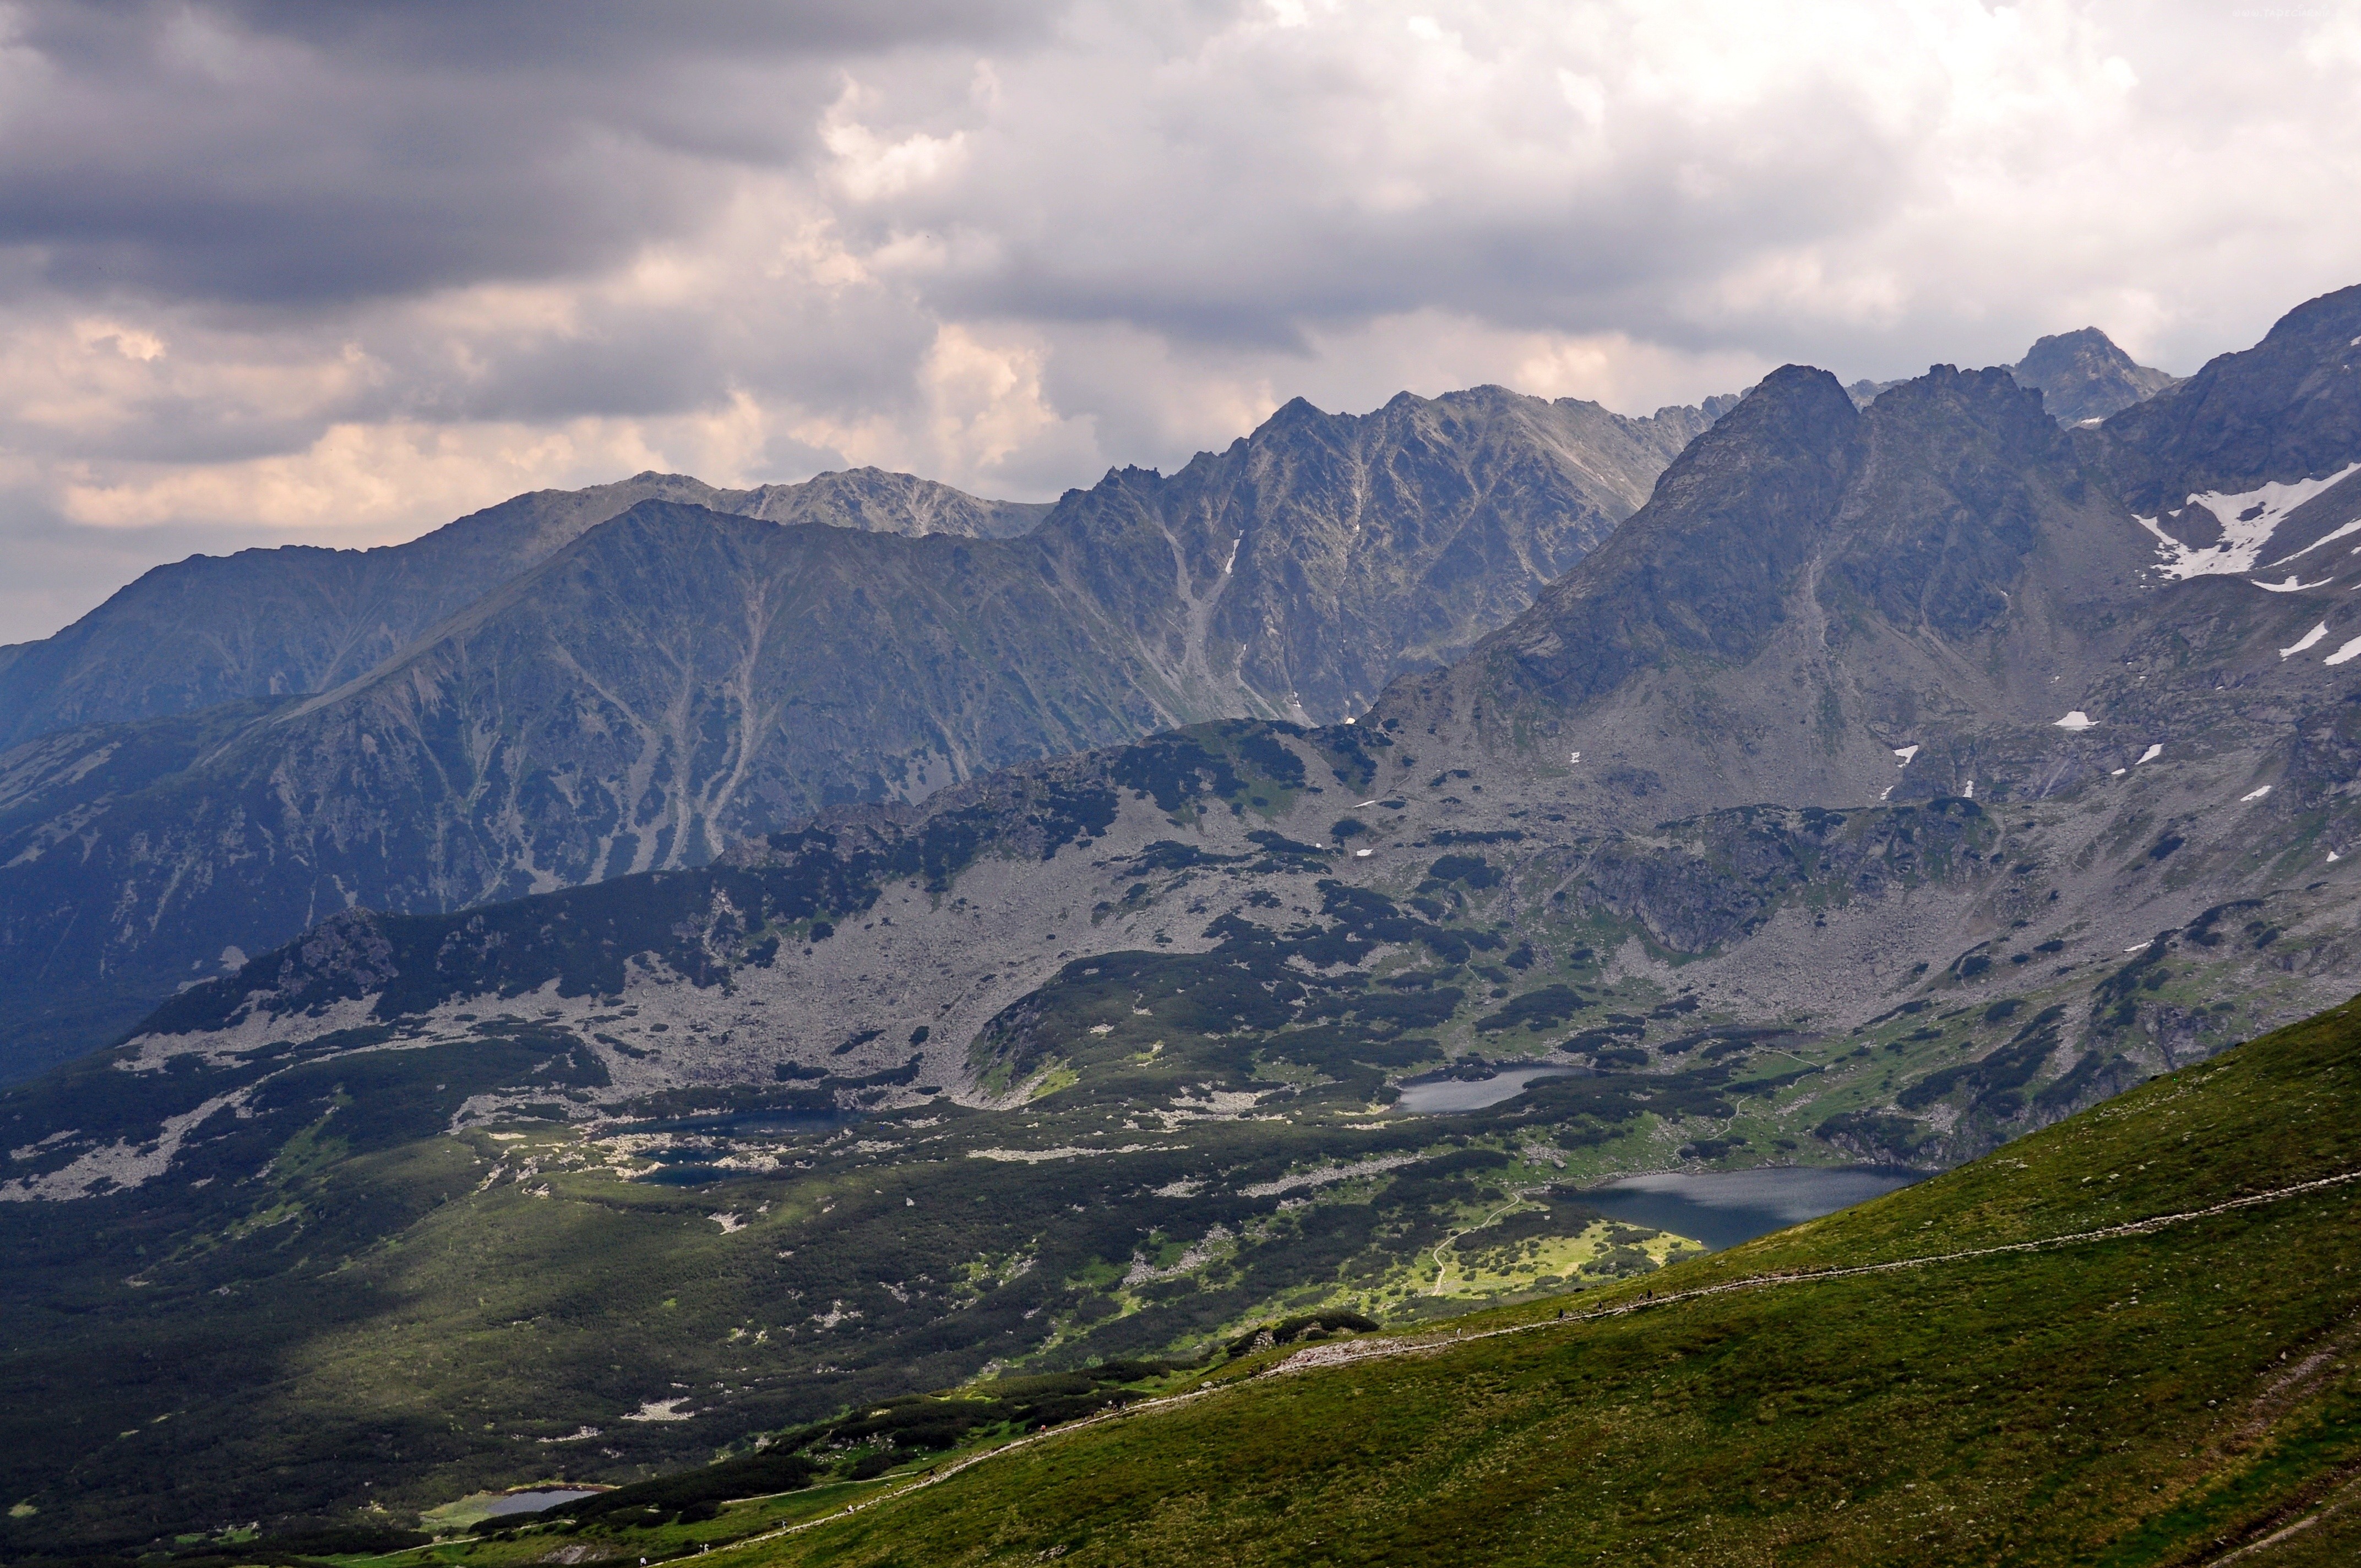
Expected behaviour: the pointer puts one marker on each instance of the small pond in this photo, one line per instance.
(535, 1501)
(681, 1170)
(1440, 1092)
(769, 1122)
(1723, 1208)
(692, 1164)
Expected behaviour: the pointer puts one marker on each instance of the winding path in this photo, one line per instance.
(1344, 1353)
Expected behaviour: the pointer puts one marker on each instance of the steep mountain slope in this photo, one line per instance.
(673, 680)
(2243, 434)
(1430, 522)
(265, 623)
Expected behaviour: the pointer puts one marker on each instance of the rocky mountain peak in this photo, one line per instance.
(2081, 374)
(1700, 570)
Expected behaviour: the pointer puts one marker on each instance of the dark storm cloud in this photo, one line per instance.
(297, 155)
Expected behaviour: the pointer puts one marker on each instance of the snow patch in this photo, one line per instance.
(1886, 791)
(2254, 795)
(2348, 652)
(2306, 641)
(2076, 719)
(2151, 754)
(2249, 520)
(1905, 753)
(2290, 585)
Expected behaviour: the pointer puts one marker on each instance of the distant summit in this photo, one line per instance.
(2082, 377)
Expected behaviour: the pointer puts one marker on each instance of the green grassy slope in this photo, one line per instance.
(2149, 1397)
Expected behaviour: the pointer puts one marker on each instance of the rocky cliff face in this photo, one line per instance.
(1436, 521)
(1813, 590)
(676, 679)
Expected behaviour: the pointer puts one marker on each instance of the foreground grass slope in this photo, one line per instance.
(2159, 1397)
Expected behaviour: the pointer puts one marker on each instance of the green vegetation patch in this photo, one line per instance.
(2161, 1394)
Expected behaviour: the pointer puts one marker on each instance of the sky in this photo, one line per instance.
(316, 272)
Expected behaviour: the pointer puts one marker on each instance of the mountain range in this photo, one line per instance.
(1828, 627)
(659, 669)
(1896, 780)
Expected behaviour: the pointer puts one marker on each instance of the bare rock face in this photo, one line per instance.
(586, 684)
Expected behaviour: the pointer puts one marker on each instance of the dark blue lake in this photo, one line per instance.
(1723, 1208)
(535, 1501)
(1440, 1094)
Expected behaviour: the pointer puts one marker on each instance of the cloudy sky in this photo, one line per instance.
(307, 271)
